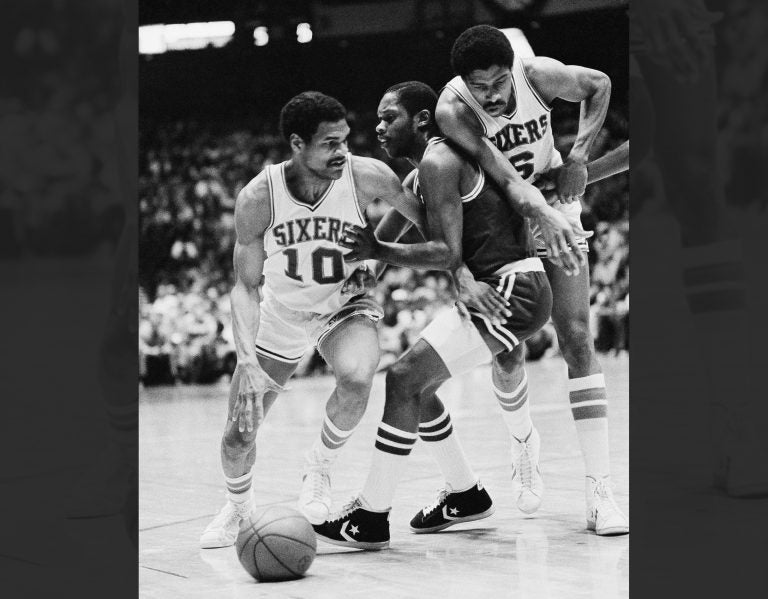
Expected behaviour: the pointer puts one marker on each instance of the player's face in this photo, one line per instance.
(491, 87)
(326, 153)
(396, 130)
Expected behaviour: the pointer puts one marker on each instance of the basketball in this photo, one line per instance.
(276, 544)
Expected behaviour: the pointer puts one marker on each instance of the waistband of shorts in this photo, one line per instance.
(524, 265)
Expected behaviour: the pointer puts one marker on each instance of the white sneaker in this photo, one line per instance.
(603, 515)
(527, 484)
(315, 495)
(223, 529)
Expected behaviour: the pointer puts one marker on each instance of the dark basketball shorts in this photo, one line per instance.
(460, 342)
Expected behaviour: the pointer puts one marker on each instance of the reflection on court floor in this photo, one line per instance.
(549, 555)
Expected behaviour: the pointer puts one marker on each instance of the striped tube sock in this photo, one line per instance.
(713, 278)
(392, 449)
(516, 409)
(445, 448)
(331, 440)
(238, 489)
(590, 413)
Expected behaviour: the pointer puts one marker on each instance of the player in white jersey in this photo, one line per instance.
(290, 270)
(498, 109)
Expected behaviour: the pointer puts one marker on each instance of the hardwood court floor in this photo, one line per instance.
(548, 555)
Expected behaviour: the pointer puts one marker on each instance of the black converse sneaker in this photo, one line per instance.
(452, 508)
(355, 526)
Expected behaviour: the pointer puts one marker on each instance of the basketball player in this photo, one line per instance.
(290, 269)
(468, 219)
(674, 83)
(497, 108)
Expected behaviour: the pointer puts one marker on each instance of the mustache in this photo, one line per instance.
(494, 105)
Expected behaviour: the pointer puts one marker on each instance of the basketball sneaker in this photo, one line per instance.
(223, 529)
(315, 495)
(453, 507)
(527, 484)
(356, 526)
(603, 515)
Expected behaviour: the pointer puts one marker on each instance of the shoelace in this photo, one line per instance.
(604, 493)
(441, 495)
(228, 516)
(347, 509)
(320, 480)
(526, 466)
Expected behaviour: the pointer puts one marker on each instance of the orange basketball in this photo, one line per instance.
(276, 544)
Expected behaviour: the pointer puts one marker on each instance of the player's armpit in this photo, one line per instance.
(375, 180)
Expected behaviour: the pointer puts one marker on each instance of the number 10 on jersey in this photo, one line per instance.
(327, 265)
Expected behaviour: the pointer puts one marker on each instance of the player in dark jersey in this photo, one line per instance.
(467, 218)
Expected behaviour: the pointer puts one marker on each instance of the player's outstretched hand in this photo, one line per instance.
(484, 299)
(360, 281)
(571, 181)
(561, 239)
(248, 410)
(362, 242)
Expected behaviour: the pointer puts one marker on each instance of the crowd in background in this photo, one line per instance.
(190, 175)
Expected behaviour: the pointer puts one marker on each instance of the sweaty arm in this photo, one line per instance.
(442, 251)
(252, 215)
(609, 164)
(553, 79)
(457, 121)
(374, 179)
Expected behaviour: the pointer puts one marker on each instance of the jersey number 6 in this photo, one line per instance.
(319, 271)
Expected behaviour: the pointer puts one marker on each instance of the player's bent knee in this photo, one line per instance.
(403, 379)
(508, 362)
(576, 335)
(354, 383)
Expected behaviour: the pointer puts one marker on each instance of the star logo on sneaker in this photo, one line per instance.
(343, 532)
(354, 530)
(453, 511)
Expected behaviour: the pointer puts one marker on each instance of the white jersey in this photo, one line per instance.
(525, 134)
(305, 268)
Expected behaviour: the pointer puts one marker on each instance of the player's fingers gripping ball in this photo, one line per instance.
(275, 545)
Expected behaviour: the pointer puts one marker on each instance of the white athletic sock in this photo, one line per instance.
(328, 445)
(589, 407)
(239, 489)
(515, 408)
(389, 456)
(445, 448)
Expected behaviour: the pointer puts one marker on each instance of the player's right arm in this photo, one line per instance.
(609, 164)
(252, 216)
(442, 248)
(457, 122)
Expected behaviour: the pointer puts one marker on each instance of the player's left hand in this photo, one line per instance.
(480, 296)
(571, 180)
(362, 242)
(360, 281)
